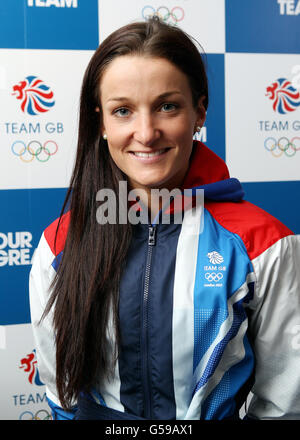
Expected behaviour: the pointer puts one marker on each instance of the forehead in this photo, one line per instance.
(134, 74)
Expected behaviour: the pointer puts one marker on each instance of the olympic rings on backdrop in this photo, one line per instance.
(42, 414)
(282, 146)
(175, 15)
(213, 276)
(34, 150)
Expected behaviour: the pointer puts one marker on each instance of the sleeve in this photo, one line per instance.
(41, 276)
(275, 329)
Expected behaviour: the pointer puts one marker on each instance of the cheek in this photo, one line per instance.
(118, 135)
(117, 154)
(183, 128)
(113, 149)
(183, 136)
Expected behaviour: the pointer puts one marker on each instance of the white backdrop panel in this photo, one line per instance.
(261, 144)
(204, 20)
(62, 72)
(22, 394)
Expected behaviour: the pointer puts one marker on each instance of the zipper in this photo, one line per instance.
(145, 355)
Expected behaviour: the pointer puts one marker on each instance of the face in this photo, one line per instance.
(149, 120)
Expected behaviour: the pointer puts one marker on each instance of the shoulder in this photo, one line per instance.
(56, 233)
(258, 229)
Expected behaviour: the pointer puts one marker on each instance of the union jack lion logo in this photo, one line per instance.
(36, 97)
(284, 96)
(215, 257)
(28, 364)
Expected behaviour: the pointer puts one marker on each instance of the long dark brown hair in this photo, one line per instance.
(85, 290)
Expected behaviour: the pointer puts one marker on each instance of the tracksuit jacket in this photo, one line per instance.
(209, 311)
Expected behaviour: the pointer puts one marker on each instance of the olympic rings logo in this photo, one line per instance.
(34, 150)
(213, 276)
(282, 146)
(42, 414)
(174, 15)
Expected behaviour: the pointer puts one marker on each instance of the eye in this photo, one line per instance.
(168, 107)
(121, 112)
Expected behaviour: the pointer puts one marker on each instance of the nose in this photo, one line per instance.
(146, 131)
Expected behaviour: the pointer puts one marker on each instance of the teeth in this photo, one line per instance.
(156, 153)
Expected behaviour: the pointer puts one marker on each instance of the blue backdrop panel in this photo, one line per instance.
(262, 26)
(31, 24)
(215, 119)
(27, 213)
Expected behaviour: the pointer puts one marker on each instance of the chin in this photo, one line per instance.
(150, 183)
(157, 184)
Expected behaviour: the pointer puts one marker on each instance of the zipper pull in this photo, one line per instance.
(151, 237)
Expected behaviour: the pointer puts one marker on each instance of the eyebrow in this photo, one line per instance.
(162, 96)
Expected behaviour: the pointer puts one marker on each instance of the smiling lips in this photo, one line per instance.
(141, 154)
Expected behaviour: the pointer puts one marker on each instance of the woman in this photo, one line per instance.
(153, 321)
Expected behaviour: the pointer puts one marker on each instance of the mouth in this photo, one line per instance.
(152, 154)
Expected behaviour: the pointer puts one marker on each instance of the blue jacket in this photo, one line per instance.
(208, 310)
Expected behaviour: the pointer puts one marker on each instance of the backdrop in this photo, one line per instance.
(253, 122)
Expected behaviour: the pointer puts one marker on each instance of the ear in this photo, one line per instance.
(201, 112)
(102, 130)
